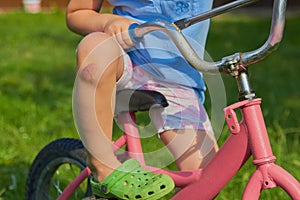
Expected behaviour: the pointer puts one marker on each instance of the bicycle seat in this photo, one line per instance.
(129, 100)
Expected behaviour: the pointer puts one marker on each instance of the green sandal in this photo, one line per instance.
(130, 181)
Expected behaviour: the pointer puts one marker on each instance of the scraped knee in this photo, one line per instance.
(88, 73)
(94, 54)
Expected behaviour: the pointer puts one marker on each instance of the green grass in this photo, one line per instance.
(37, 70)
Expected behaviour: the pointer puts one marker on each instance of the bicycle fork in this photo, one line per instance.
(267, 174)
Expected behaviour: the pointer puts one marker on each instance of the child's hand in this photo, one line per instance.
(118, 27)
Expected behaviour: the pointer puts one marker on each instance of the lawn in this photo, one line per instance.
(37, 70)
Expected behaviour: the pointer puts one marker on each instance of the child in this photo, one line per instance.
(108, 60)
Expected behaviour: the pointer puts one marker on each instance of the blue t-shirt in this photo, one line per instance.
(157, 53)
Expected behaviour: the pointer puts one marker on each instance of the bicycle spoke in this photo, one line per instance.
(56, 184)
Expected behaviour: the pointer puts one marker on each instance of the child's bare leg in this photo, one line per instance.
(191, 149)
(100, 65)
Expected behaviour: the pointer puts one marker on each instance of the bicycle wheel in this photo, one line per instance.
(56, 165)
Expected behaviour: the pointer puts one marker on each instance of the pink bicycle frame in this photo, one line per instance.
(248, 137)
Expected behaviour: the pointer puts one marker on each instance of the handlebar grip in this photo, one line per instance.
(132, 35)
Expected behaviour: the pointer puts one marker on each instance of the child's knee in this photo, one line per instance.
(96, 42)
(88, 43)
(88, 73)
(95, 54)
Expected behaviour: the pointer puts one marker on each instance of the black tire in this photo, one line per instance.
(55, 166)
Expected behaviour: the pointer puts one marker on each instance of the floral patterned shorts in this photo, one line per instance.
(185, 110)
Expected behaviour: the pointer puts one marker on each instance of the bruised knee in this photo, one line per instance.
(95, 54)
(88, 73)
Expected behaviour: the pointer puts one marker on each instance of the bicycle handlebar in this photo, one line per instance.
(226, 64)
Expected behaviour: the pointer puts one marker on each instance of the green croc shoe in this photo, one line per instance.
(130, 181)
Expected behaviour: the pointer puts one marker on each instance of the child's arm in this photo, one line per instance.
(83, 17)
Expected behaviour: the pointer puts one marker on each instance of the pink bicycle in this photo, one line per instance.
(248, 136)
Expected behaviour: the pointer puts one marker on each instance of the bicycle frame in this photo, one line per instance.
(248, 137)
